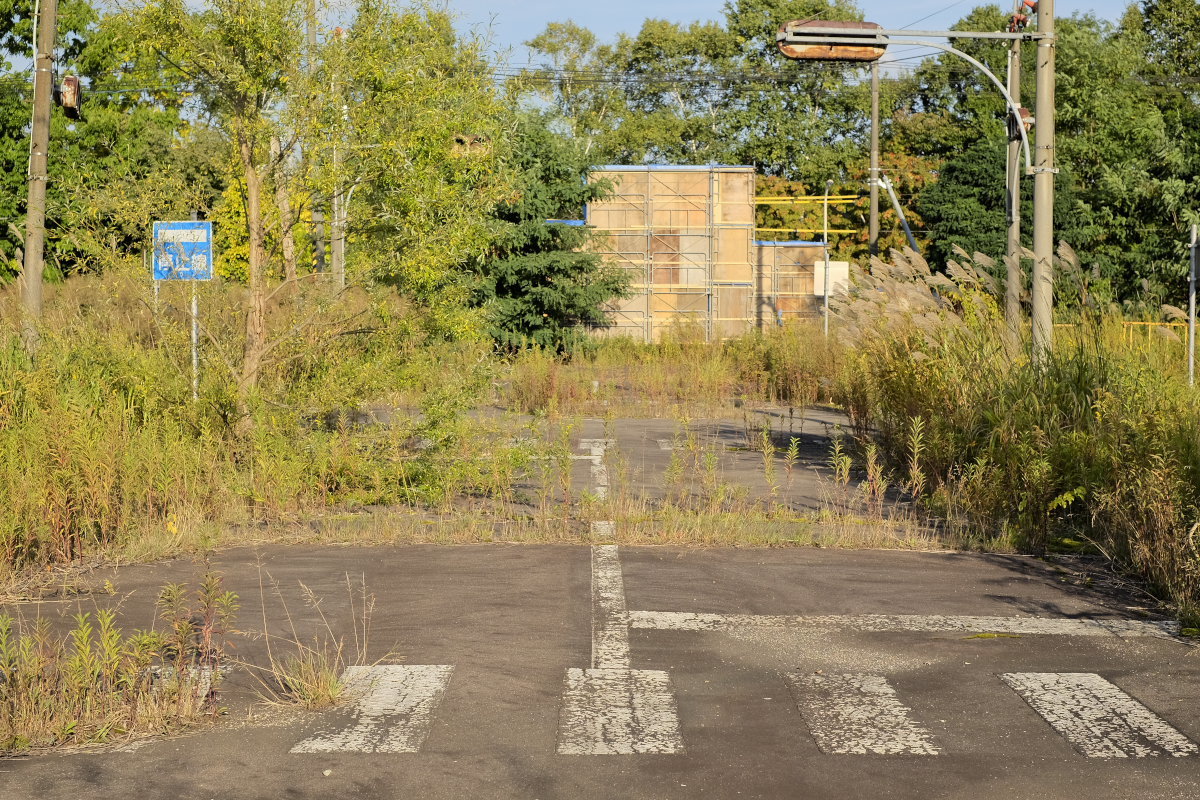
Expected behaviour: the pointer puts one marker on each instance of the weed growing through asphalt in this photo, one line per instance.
(306, 669)
(96, 684)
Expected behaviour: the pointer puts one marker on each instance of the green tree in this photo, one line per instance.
(538, 282)
(707, 92)
(132, 158)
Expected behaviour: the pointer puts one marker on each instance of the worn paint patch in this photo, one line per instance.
(604, 529)
(858, 714)
(600, 480)
(618, 712)
(934, 623)
(1096, 717)
(391, 711)
(610, 622)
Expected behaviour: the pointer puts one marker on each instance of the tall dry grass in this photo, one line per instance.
(680, 374)
(1095, 443)
(103, 450)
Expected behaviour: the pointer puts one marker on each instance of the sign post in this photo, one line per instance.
(183, 251)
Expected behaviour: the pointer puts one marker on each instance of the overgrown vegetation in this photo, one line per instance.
(95, 683)
(680, 374)
(1096, 446)
(103, 449)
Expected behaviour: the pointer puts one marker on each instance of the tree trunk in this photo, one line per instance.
(256, 318)
(287, 220)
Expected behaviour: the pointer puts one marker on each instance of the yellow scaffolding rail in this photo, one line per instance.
(806, 230)
(819, 198)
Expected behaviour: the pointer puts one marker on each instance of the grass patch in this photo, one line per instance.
(306, 671)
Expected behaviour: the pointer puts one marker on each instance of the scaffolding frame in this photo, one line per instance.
(686, 235)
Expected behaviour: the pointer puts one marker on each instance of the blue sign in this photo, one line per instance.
(183, 251)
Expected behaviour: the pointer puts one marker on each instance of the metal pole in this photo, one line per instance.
(195, 334)
(39, 145)
(195, 343)
(873, 229)
(1192, 313)
(887, 184)
(1043, 187)
(825, 249)
(1012, 260)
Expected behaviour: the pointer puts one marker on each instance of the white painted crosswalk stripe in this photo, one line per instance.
(932, 623)
(1096, 717)
(618, 712)
(392, 710)
(858, 714)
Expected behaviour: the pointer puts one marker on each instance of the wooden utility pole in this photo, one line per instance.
(318, 215)
(39, 145)
(873, 229)
(1012, 259)
(1043, 186)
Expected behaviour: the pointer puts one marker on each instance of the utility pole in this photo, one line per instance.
(873, 229)
(340, 200)
(1043, 187)
(318, 215)
(39, 145)
(1012, 260)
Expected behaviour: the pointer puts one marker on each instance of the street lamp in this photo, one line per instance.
(866, 41)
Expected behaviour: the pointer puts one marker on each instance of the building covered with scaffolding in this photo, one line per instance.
(686, 236)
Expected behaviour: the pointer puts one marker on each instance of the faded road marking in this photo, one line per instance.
(610, 623)
(935, 623)
(858, 714)
(604, 529)
(618, 712)
(392, 710)
(596, 448)
(1096, 717)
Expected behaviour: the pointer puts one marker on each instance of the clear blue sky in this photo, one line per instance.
(516, 21)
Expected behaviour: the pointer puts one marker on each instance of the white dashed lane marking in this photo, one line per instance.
(596, 448)
(611, 709)
(934, 623)
(859, 715)
(1096, 717)
(392, 710)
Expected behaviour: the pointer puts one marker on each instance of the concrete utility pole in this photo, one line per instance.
(1043, 187)
(1012, 259)
(873, 228)
(39, 144)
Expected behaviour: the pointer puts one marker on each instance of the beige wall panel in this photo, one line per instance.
(735, 195)
(679, 303)
(734, 315)
(732, 253)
